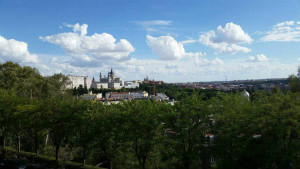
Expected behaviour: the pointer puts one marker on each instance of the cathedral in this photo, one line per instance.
(109, 81)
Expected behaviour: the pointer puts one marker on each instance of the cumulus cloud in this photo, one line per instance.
(17, 51)
(94, 48)
(258, 58)
(82, 29)
(167, 48)
(288, 31)
(227, 39)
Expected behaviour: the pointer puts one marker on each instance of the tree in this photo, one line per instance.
(277, 118)
(186, 126)
(8, 105)
(35, 115)
(294, 83)
(84, 127)
(144, 128)
(234, 129)
(59, 122)
(57, 86)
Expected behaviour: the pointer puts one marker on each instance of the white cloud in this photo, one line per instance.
(94, 48)
(167, 48)
(285, 23)
(205, 62)
(188, 41)
(171, 66)
(153, 25)
(82, 29)
(201, 69)
(285, 32)
(258, 58)
(153, 22)
(226, 40)
(17, 51)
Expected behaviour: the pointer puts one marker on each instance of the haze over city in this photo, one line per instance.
(173, 41)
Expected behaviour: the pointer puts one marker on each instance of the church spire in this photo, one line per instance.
(100, 76)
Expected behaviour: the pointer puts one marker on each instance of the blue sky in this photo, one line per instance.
(170, 40)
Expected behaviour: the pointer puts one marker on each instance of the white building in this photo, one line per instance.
(131, 84)
(91, 96)
(161, 97)
(143, 94)
(99, 85)
(76, 81)
(109, 81)
(118, 95)
(115, 85)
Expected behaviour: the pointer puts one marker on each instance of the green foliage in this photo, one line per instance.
(294, 83)
(38, 115)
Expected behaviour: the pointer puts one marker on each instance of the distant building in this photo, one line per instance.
(161, 97)
(99, 85)
(91, 96)
(143, 94)
(109, 81)
(117, 95)
(131, 84)
(148, 81)
(299, 72)
(125, 95)
(76, 81)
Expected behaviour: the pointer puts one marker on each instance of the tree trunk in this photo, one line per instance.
(84, 154)
(2, 141)
(2, 145)
(144, 163)
(46, 141)
(18, 147)
(186, 164)
(56, 152)
(36, 144)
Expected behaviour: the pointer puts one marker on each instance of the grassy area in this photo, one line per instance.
(46, 160)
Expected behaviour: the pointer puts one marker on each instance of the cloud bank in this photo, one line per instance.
(288, 31)
(258, 58)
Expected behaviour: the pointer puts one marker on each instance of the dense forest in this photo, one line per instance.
(202, 130)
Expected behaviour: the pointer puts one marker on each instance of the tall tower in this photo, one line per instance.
(112, 74)
(153, 82)
(100, 76)
(109, 77)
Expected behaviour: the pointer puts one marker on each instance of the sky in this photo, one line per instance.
(169, 40)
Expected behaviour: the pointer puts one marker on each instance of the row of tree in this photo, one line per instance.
(223, 130)
(263, 133)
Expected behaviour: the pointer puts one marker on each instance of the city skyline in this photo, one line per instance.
(174, 41)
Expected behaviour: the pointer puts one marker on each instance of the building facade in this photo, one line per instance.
(91, 96)
(131, 84)
(110, 81)
(76, 81)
